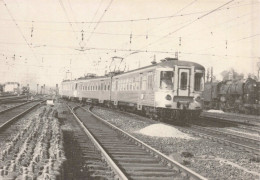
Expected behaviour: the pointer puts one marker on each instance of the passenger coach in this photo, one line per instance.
(165, 90)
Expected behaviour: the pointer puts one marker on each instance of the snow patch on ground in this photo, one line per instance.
(162, 130)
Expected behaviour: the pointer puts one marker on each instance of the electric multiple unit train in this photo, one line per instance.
(166, 90)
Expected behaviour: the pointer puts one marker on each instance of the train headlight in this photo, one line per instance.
(197, 98)
(168, 97)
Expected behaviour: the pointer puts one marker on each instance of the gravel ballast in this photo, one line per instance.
(211, 160)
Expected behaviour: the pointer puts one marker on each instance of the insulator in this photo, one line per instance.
(226, 44)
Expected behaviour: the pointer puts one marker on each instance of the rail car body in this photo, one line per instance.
(165, 89)
(233, 96)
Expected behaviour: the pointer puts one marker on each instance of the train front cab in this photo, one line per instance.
(178, 95)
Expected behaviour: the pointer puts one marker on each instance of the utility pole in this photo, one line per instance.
(211, 81)
(208, 75)
(258, 65)
(37, 88)
(57, 90)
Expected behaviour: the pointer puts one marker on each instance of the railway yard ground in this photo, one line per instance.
(66, 141)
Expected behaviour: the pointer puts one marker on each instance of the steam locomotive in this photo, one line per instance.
(241, 96)
(165, 90)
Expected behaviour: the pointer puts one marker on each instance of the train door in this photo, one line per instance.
(75, 90)
(140, 94)
(184, 82)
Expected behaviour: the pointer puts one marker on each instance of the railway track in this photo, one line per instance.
(233, 118)
(8, 116)
(84, 160)
(251, 145)
(128, 157)
(242, 143)
(8, 99)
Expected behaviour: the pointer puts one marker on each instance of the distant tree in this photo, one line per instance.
(227, 74)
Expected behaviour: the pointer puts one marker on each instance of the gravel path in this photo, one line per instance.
(212, 160)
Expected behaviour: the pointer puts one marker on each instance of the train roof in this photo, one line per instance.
(167, 62)
(170, 62)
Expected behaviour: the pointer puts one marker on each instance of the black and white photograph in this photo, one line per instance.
(129, 89)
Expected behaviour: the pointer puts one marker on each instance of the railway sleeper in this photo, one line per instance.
(136, 160)
(155, 173)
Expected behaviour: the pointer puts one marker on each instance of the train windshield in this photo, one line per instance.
(198, 82)
(166, 81)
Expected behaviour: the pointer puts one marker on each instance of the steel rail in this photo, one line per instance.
(12, 97)
(119, 174)
(4, 125)
(13, 107)
(256, 141)
(186, 172)
(251, 120)
(225, 142)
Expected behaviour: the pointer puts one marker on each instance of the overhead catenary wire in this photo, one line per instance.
(188, 24)
(158, 51)
(67, 16)
(125, 20)
(20, 31)
(118, 49)
(99, 5)
(216, 26)
(101, 17)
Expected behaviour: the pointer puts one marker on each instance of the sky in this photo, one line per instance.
(41, 40)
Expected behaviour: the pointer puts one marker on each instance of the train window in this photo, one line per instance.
(198, 81)
(144, 83)
(141, 82)
(184, 80)
(76, 86)
(107, 87)
(166, 80)
(116, 85)
(150, 82)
